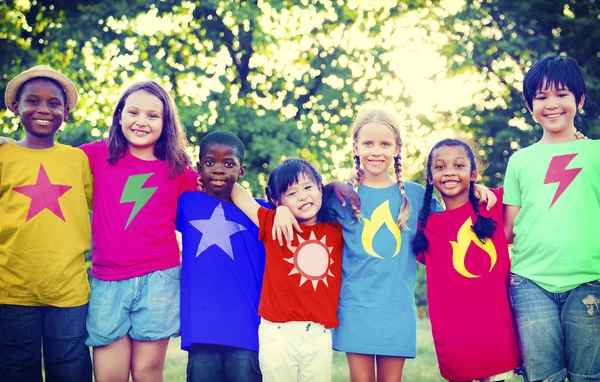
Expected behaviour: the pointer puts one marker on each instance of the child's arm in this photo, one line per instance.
(284, 225)
(510, 213)
(88, 184)
(485, 195)
(245, 202)
(6, 140)
(342, 192)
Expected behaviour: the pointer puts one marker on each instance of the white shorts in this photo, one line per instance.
(294, 351)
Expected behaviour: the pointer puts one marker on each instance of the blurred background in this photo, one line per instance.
(287, 76)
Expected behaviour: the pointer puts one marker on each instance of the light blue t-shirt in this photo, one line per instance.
(377, 307)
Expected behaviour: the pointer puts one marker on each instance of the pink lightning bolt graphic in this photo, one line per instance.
(558, 173)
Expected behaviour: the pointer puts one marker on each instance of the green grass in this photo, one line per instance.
(424, 368)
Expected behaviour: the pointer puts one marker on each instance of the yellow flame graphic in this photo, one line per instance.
(459, 248)
(380, 216)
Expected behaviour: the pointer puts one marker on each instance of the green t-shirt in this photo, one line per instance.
(557, 230)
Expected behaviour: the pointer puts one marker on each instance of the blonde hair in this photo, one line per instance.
(384, 114)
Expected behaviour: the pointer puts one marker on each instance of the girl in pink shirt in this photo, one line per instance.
(139, 173)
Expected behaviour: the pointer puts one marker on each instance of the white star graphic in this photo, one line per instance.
(216, 230)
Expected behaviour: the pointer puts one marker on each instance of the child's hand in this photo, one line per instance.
(579, 135)
(284, 225)
(485, 195)
(343, 192)
(199, 185)
(6, 140)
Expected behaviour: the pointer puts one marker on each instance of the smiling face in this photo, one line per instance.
(304, 199)
(220, 169)
(142, 123)
(554, 107)
(376, 148)
(452, 174)
(42, 109)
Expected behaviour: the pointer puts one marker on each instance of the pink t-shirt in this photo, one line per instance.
(133, 221)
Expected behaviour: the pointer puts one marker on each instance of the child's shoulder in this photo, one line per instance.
(73, 153)
(59, 149)
(413, 186)
(95, 147)
(8, 148)
(413, 190)
(194, 198)
(264, 203)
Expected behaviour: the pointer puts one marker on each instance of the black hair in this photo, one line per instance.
(483, 227)
(62, 90)
(558, 70)
(286, 174)
(225, 138)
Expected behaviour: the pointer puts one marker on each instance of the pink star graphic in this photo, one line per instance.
(43, 195)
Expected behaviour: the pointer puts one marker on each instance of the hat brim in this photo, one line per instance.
(10, 96)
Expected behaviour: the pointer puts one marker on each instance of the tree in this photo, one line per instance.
(285, 76)
(500, 40)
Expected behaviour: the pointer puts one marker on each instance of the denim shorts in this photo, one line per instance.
(146, 308)
(559, 332)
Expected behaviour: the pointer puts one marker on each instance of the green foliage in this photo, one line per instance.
(501, 39)
(286, 76)
(421, 292)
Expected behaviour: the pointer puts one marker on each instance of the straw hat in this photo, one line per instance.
(35, 72)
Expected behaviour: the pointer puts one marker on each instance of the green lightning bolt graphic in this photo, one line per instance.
(133, 192)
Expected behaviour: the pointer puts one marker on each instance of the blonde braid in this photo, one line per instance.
(405, 208)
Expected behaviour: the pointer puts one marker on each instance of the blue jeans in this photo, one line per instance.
(219, 363)
(23, 329)
(559, 332)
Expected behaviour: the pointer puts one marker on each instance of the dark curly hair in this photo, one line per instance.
(483, 227)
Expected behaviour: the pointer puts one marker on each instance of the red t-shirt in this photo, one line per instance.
(467, 290)
(301, 281)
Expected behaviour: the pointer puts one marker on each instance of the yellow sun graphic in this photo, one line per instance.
(311, 259)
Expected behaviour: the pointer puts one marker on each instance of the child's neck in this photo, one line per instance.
(144, 153)
(34, 142)
(452, 203)
(309, 222)
(380, 181)
(567, 135)
(222, 196)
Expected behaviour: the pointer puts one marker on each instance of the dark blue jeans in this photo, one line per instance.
(559, 332)
(23, 330)
(218, 363)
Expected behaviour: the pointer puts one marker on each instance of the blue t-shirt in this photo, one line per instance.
(221, 275)
(377, 307)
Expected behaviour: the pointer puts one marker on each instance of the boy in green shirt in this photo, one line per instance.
(552, 212)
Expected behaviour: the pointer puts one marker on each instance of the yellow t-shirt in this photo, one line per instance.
(44, 225)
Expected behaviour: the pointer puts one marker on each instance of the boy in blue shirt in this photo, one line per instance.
(222, 270)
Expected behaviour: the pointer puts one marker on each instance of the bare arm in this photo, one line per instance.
(485, 195)
(245, 202)
(6, 140)
(510, 213)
